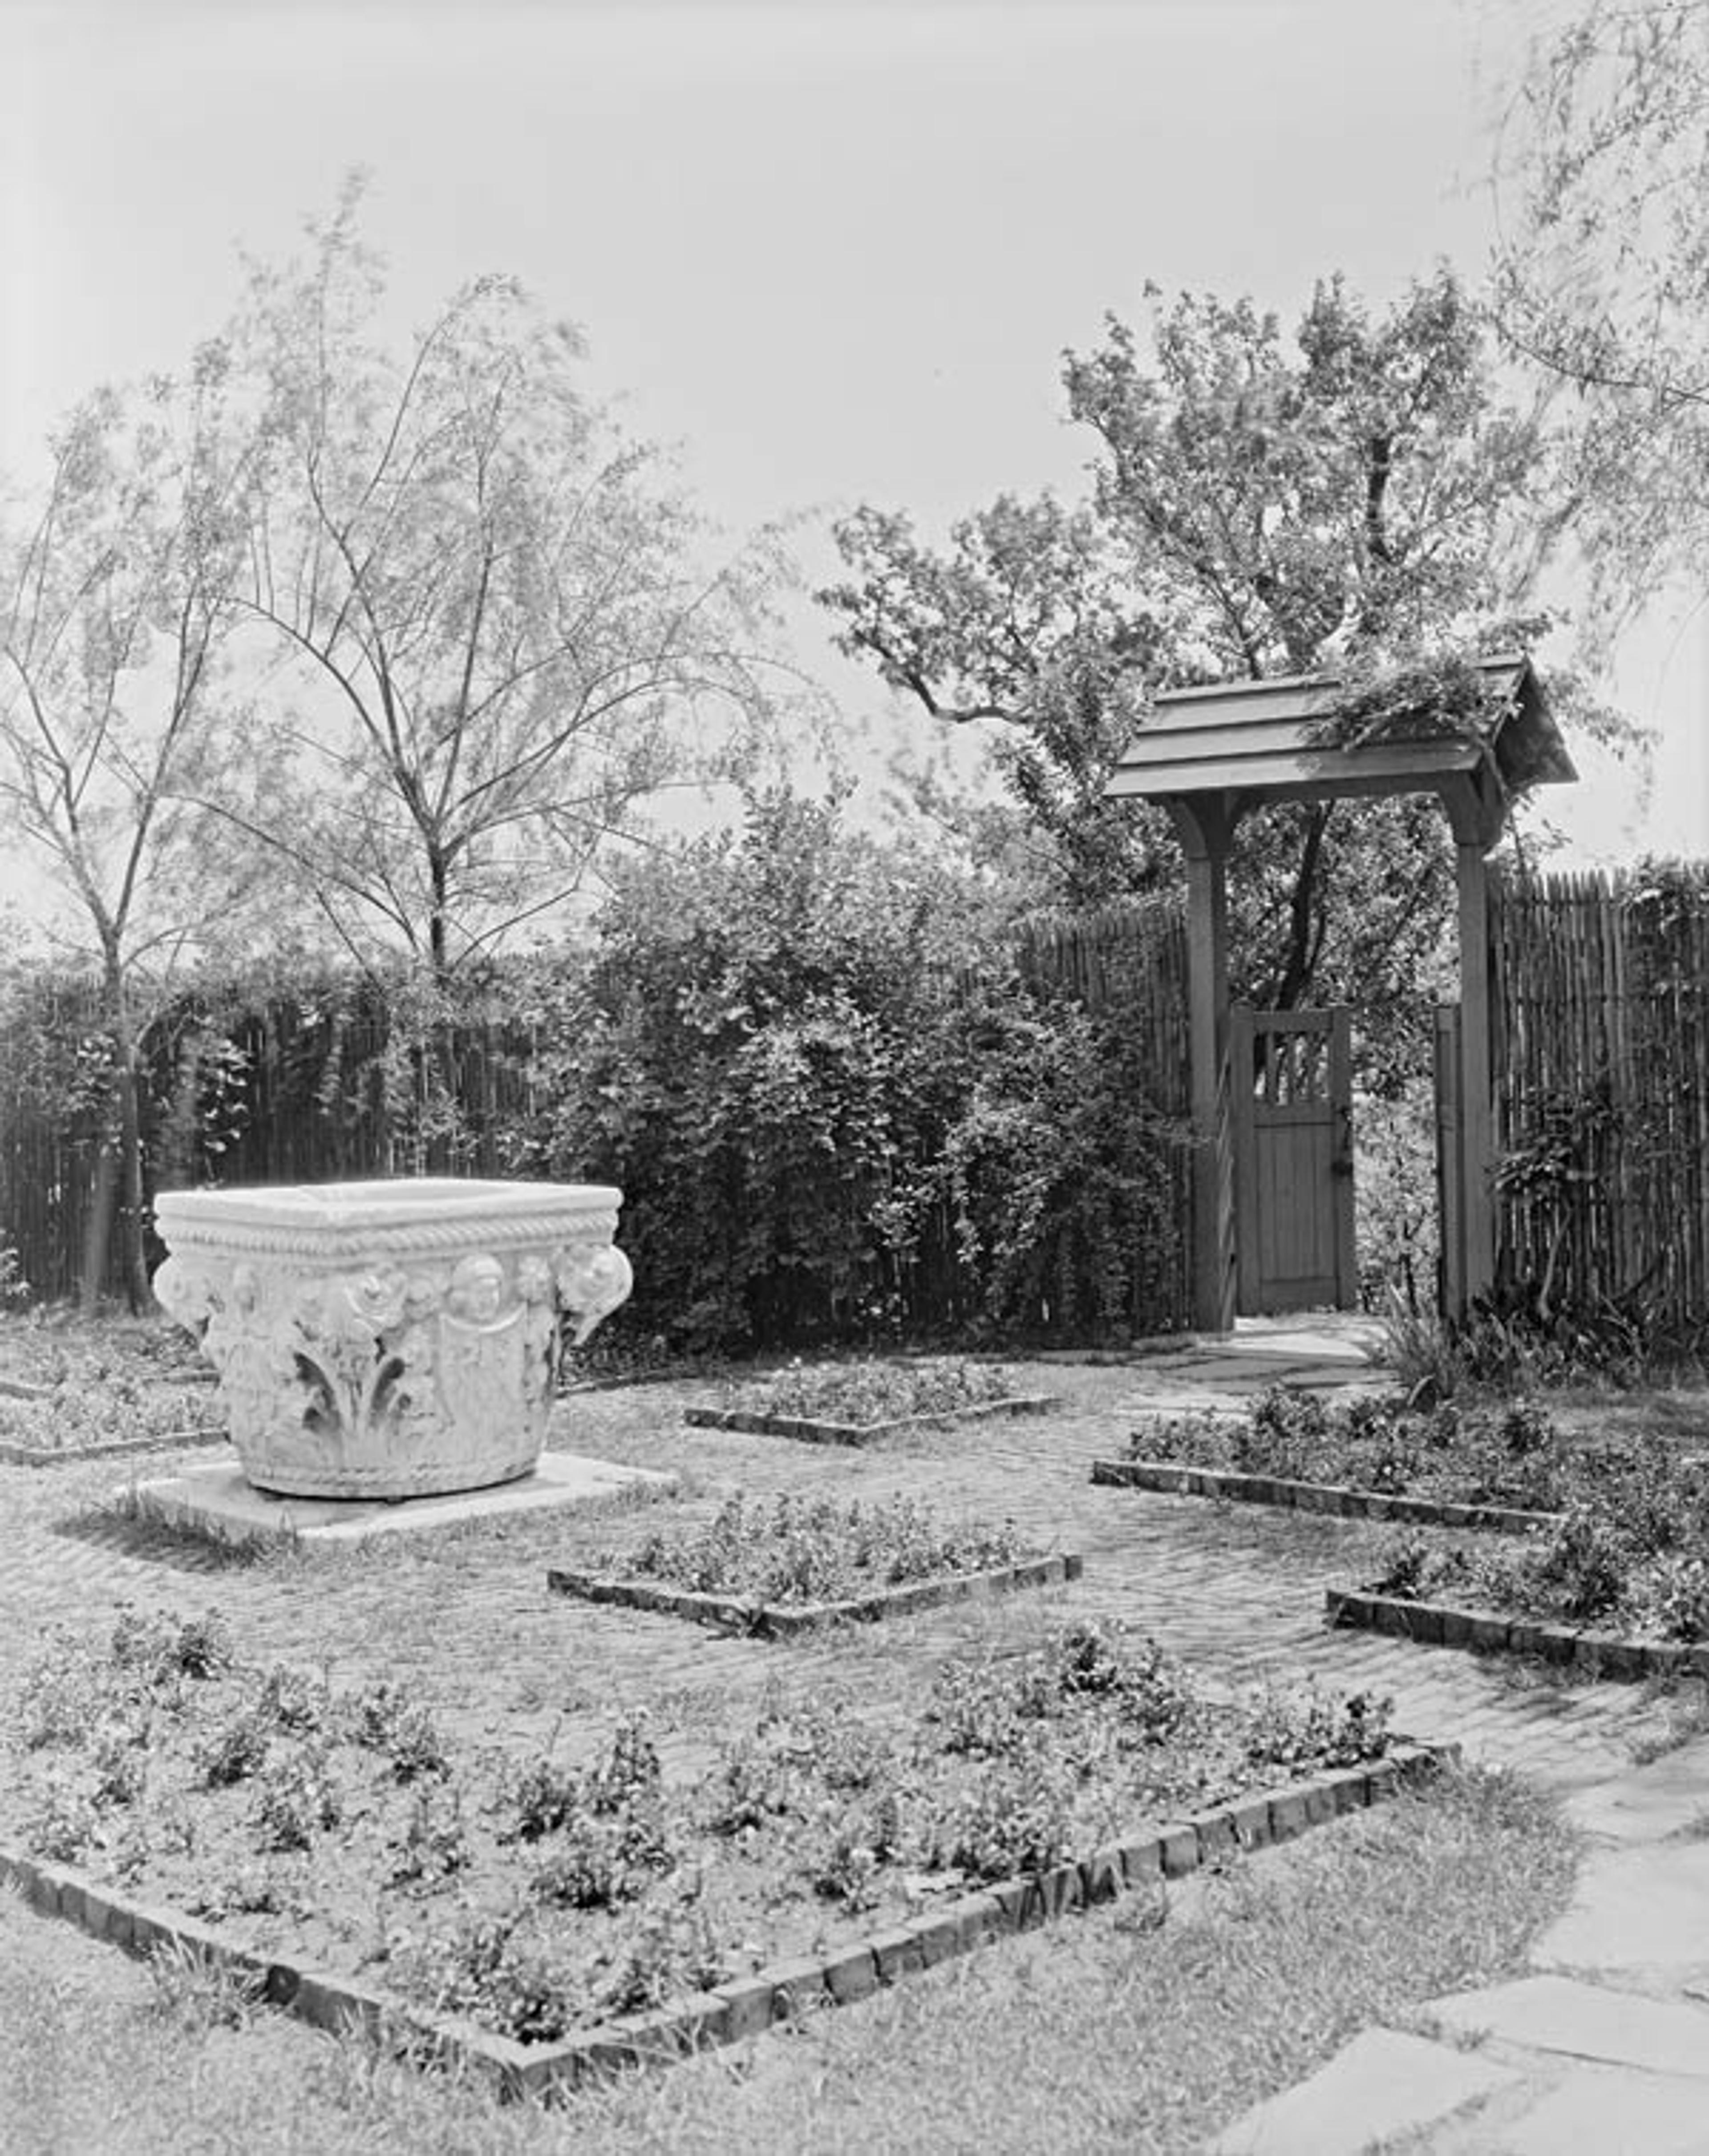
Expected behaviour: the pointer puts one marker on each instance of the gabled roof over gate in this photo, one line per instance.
(1272, 740)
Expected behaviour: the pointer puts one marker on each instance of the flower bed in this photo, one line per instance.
(68, 1423)
(1624, 1583)
(1596, 1652)
(562, 1911)
(1171, 1478)
(778, 1569)
(855, 1403)
(1507, 1467)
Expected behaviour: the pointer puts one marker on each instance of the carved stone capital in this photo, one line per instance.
(389, 1339)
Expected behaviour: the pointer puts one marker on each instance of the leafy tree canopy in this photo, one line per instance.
(1341, 500)
(1603, 279)
(492, 633)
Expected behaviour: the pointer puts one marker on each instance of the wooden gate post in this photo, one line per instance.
(1205, 828)
(1477, 1207)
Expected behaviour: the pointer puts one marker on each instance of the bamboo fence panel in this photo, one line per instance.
(1601, 1066)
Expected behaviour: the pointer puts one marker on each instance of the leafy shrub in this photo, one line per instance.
(835, 1106)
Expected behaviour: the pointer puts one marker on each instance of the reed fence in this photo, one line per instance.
(1600, 1047)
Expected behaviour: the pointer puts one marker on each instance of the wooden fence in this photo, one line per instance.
(1601, 1052)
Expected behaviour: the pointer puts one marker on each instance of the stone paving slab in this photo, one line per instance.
(1588, 2113)
(1642, 1913)
(1579, 2021)
(221, 1503)
(1382, 2086)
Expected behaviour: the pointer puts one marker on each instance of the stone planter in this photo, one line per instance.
(389, 1339)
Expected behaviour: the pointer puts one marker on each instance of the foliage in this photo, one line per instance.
(1352, 500)
(1510, 1453)
(496, 639)
(1625, 1554)
(116, 600)
(822, 1091)
(817, 1550)
(540, 1892)
(1605, 276)
(1396, 1212)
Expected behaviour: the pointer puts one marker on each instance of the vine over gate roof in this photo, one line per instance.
(1298, 739)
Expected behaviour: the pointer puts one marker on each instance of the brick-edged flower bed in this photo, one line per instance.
(857, 1403)
(1505, 1467)
(19, 1452)
(1176, 1479)
(769, 1620)
(744, 2007)
(813, 1430)
(783, 1568)
(334, 1846)
(1598, 1653)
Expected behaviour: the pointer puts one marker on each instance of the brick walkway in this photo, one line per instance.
(1236, 1588)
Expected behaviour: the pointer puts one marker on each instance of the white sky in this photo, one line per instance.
(834, 250)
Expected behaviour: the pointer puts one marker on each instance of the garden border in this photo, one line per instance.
(1180, 1478)
(810, 1431)
(771, 1620)
(13, 1454)
(1596, 1653)
(745, 2006)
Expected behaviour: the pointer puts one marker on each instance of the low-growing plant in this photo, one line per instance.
(1303, 1724)
(862, 1392)
(162, 1648)
(59, 1696)
(542, 1795)
(297, 1797)
(65, 1823)
(806, 1549)
(435, 1843)
(233, 1750)
(1014, 1815)
(293, 1700)
(663, 1952)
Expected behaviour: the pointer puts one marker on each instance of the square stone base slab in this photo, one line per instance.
(222, 1504)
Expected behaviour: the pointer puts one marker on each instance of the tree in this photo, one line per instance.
(496, 643)
(1256, 511)
(1603, 279)
(116, 600)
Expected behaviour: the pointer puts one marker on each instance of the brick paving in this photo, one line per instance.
(465, 1615)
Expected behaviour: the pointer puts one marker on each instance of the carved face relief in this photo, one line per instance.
(477, 1290)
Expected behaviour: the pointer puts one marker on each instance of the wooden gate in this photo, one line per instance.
(1293, 1158)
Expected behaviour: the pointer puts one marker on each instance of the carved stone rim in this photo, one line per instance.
(340, 1247)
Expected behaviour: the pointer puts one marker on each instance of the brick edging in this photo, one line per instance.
(15, 1454)
(776, 1621)
(1444, 1625)
(746, 2005)
(811, 1431)
(1180, 1479)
